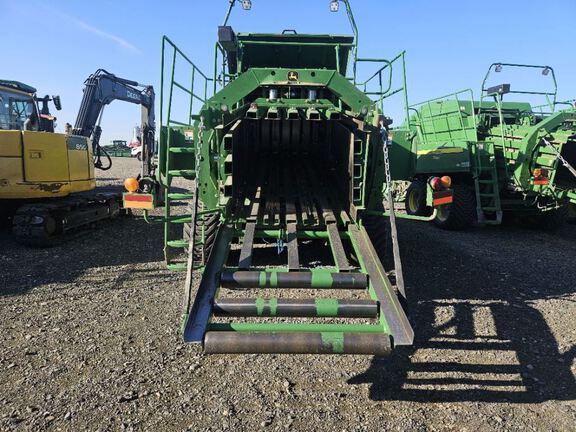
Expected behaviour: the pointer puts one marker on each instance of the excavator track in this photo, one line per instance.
(46, 224)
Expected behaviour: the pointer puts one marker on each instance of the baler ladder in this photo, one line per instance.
(486, 186)
(179, 161)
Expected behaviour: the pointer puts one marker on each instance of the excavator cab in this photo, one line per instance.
(17, 104)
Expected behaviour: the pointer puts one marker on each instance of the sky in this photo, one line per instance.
(54, 45)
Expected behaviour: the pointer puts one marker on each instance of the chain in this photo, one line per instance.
(387, 164)
(560, 157)
(387, 142)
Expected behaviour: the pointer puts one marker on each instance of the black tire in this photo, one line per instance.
(461, 213)
(415, 201)
(139, 156)
(553, 220)
(41, 235)
(571, 213)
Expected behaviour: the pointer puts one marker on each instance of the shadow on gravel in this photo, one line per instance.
(125, 241)
(479, 336)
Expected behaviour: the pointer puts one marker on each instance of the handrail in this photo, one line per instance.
(544, 68)
(446, 96)
(387, 91)
(570, 102)
(454, 95)
(168, 45)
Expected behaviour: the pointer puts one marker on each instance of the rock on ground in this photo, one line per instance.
(89, 340)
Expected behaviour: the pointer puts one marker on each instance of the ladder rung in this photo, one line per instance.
(180, 196)
(182, 173)
(177, 267)
(489, 208)
(273, 279)
(486, 181)
(182, 149)
(487, 194)
(180, 219)
(305, 342)
(178, 243)
(180, 267)
(275, 307)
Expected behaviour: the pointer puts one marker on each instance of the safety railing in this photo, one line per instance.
(176, 56)
(222, 78)
(384, 84)
(544, 110)
(549, 96)
(427, 120)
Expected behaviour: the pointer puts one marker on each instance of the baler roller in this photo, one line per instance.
(311, 279)
(273, 307)
(231, 342)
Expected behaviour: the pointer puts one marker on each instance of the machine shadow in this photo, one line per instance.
(125, 241)
(510, 355)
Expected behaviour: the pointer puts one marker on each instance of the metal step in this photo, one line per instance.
(181, 267)
(179, 219)
(182, 173)
(310, 279)
(180, 196)
(182, 149)
(180, 243)
(274, 307)
(232, 342)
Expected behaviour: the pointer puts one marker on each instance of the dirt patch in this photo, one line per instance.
(89, 340)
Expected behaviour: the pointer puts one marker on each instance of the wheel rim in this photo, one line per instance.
(413, 201)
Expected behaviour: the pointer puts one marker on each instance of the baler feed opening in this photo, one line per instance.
(290, 194)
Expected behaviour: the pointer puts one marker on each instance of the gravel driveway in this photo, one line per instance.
(89, 340)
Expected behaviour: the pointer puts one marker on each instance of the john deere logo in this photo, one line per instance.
(292, 76)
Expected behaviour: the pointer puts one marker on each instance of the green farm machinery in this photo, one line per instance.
(281, 167)
(504, 157)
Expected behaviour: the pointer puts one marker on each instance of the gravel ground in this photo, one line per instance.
(89, 340)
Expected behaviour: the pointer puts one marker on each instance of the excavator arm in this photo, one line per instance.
(101, 88)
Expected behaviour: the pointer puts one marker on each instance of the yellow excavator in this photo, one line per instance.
(47, 179)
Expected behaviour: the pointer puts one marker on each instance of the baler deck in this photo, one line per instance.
(292, 204)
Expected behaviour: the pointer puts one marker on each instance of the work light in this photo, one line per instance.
(334, 6)
(246, 4)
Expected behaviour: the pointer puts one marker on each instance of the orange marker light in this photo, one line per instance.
(537, 172)
(446, 181)
(436, 183)
(131, 184)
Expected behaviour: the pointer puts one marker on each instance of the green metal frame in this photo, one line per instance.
(500, 143)
(212, 128)
(553, 94)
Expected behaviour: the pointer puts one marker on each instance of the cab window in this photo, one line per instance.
(15, 108)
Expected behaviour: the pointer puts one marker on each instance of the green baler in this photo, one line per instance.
(503, 156)
(280, 166)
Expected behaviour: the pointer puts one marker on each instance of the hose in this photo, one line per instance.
(98, 159)
(98, 151)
